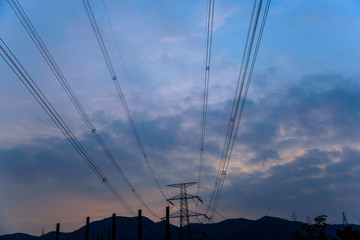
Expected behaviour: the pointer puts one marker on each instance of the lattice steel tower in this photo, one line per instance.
(345, 222)
(184, 214)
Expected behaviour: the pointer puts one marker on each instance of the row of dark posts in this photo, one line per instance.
(87, 229)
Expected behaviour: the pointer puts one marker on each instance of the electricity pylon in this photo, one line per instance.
(345, 222)
(184, 214)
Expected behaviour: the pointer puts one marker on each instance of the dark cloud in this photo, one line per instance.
(311, 183)
(310, 112)
(264, 156)
(303, 115)
(317, 116)
(260, 134)
(52, 163)
(347, 167)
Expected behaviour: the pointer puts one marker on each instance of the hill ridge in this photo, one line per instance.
(266, 227)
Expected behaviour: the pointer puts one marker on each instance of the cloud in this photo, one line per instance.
(171, 39)
(264, 156)
(315, 108)
(51, 162)
(221, 14)
(311, 184)
(297, 143)
(301, 146)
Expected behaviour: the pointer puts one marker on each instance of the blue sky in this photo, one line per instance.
(297, 148)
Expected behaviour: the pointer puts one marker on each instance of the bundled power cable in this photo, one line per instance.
(110, 67)
(39, 96)
(209, 31)
(245, 76)
(20, 13)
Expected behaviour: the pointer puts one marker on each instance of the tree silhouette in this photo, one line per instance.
(348, 234)
(312, 232)
(317, 231)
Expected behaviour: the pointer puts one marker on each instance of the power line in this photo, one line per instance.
(210, 24)
(102, 46)
(239, 100)
(20, 13)
(126, 75)
(250, 74)
(232, 117)
(39, 96)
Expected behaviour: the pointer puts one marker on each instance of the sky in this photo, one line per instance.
(297, 148)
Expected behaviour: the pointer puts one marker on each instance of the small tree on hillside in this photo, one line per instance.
(348, 234)
(312, 232)
(317, 231)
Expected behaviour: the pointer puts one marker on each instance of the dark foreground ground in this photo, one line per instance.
(126, 229)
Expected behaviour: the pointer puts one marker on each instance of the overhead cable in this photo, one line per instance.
(210, 24)
(239, 99)
(110, 67)
(32, 87)
(20, 13)
(126, 74)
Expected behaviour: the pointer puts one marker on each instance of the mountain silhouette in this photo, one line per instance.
(126, 229)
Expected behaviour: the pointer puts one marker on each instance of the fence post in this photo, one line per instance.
(57, 231)
(167, 223)
(114, 226)
(139, 225)
(87, 228)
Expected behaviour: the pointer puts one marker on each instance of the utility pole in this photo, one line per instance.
(87, 229)
(57, 236)
(139, 225)
(167, 223)
(184, 214)
(113, 226)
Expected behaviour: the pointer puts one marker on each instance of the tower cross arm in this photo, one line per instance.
(187, 196)
(180, 185)
(191, 214)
